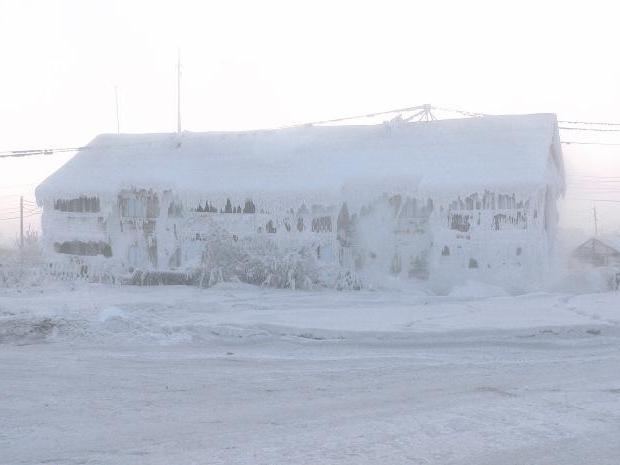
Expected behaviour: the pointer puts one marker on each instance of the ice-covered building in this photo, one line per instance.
(463, 198)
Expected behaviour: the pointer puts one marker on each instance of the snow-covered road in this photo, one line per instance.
(238, 375)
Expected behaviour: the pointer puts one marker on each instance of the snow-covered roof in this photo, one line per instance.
(514, 153)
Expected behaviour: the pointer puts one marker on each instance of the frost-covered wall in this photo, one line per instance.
(484, 235)
(441, 201)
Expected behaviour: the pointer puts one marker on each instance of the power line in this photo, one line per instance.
(593, 191)
(595, 200)
(603, 183)
(31, 152)
(15, 186)
(17, 212)
(564, 128)
(570, 142)
(593, 176)
(26, 204)
(588, 123)
(26, 207)
(419, 108)
(462, 112)
(348, 118)
(611, 184)
(10, 210)
(17, 217)
(594, 182)
(51, 151)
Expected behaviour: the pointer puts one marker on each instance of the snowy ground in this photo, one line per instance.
(238, 375)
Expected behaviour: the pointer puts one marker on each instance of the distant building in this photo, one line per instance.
(601, 250)
(456, 198)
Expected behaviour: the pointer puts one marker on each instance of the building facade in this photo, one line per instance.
(446, 200)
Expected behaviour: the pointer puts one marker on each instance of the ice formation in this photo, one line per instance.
(450, 200)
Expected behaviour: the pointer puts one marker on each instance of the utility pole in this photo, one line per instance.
(118, 121)
(179, 92)
(595, 220)
(21, 222)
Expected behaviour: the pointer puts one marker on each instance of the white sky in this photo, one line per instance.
(266, 63)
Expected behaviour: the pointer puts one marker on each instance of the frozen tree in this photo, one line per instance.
(23, 266)
(348, 280)
(343, 225)
(258, 261)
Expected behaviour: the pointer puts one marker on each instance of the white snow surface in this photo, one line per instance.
(508, 153)
(240, 375)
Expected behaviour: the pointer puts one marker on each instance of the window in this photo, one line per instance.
(132, 208)
(138, 205)
(90, 248)
(79, 204)
(322, 224)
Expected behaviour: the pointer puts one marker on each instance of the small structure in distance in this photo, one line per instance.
(599, 251)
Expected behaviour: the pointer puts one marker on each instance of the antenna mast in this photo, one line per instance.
(595, 219)
(179, 92)
(118, 121)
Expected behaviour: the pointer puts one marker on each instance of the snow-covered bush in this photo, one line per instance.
(348, 280)
(23, 266)
(258, 261)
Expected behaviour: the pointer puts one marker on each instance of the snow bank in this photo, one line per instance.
(242, 314)
(109, 313)
(477, 290)
(585, 281)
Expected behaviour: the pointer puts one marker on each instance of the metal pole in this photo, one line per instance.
(595, 221)
(21, 222)
(179, 93)
(118, 121)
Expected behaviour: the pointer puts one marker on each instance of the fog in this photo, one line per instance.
(248, 65)
(416, 291)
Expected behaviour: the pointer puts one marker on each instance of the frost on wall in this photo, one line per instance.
(498, 237)
(299, 246)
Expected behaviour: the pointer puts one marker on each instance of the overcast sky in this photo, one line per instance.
(264, 63)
